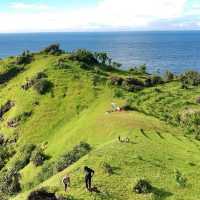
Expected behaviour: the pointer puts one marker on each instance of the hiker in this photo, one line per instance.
(89, 173)
(66, 182)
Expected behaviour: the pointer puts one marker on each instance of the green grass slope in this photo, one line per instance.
(75, 110)
(155, 156)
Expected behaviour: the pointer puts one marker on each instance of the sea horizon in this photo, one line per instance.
(160, 50)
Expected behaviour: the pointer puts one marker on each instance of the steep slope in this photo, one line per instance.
(54, 101)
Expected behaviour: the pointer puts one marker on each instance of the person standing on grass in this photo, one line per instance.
(66, 182)
(89, 173)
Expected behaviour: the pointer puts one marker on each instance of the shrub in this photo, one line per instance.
(84, 56)
(46, 171)
(148, 82)
(85, 66)
(68, 159)
(127, 107)
(155, 79)
(34, 80)
(61, 64)
(24, 59)
(115, 80)
(41, 194)
(132, 84)
(180, 179)
(9, 182)
(23, 157)
(43, 86)
(190, 78)
(143, 187)
(53, 49)
(38, 157)
(118, 93)
(4, 156)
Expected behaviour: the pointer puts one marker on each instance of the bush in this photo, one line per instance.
(148, 82)
(10, 182)
(115, 80)
(53, 49)
(43, 86)
(180, 179)
(190, 78)
(62, 64)
(127, 107)
(155, 79)
(24, 59)
(38, 157)
(84, 56)
(132, 84)
(71, 157)
(118, 93)
(46, 171)
(4, 156)
(41, 194)
(143, 187)
(34, 80)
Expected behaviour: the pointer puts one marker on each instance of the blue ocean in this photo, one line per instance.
(173, 50)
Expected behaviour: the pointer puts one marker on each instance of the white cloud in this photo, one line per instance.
(106, 15)
(27, 6)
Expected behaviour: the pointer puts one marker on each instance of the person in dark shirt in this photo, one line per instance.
(89, 173)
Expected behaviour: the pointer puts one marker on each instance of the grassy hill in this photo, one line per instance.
(53, 101)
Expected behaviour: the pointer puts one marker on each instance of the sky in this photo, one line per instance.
(98, 15)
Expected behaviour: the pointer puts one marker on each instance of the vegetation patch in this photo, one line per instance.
(25, 58)
(13, 123)
(6, 107)
(43, 86)
(84, 56)
(38, 157)
(143, 187)
(41, 194)
(180, 179)
(71, 157)
(53, 49)
(32, 81)
(10, 73)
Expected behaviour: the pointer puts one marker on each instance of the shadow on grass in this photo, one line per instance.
(161, 194)
(115, 170)
(145, 135)
(98, 194)
(160, 135)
